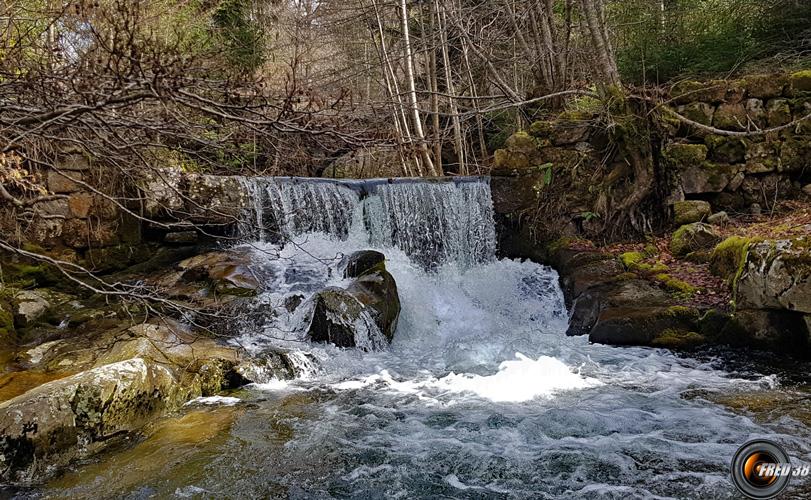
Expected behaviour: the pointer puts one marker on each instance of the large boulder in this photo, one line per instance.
(776, 275)
(364, 314)
(203, 277)
(341, 319)
(650, 326)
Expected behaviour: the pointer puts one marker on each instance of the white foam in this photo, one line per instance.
(214, 401)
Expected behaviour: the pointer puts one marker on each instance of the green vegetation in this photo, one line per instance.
(662, 41)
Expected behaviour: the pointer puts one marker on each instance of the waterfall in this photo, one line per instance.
(433, 222)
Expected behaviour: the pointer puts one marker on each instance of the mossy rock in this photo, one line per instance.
(731, 117)
(521, 142)
(778, 112)
(541, 128)
(801, 81)
(698, 112)
(8, 334)
(685, 212)
(363, 262)
(641, 325)
(118, 257)
(630, 259)
(726, 149)
(765, 86)
(708, 177)
(692, 237)
(676, 285)
(728, 257)
(685, 155)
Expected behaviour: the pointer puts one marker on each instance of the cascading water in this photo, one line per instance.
(480, 394)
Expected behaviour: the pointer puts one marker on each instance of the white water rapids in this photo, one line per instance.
(481, 394)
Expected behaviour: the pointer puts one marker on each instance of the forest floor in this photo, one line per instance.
(789, 219)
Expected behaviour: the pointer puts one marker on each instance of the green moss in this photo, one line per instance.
(685, 155)
(540, 128)
(678, 286)
(630, 259)
(801, 80)
(677, 339)
(651, 250)
(728, 257)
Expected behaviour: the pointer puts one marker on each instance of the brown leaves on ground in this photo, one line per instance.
(790, 219)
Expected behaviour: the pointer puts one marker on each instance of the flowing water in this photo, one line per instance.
(480, 395)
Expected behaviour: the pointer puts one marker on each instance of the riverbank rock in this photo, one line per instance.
(777, 275)
(77, 416)
(214, 277)
(80, 394)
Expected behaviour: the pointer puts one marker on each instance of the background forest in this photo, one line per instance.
(284, 87)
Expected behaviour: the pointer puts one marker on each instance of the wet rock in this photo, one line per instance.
(227, 273)
(291, 302)
(662, 326)
(362, 262)
(359, 315)
(692, 237)
(685, 212)
(377, 291)
(74, 417)
(337, 316)
(629, 293)
(774, 330)
(777, 275)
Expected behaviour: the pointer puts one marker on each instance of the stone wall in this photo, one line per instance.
(570, 160)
